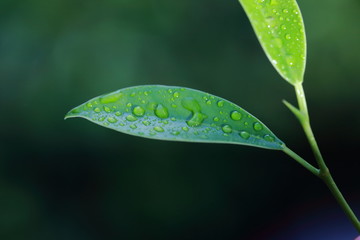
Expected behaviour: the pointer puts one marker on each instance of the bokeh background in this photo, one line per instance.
(75, 180)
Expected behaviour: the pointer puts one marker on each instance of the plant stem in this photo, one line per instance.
(330, 183)
(303, 162)
(324, 173)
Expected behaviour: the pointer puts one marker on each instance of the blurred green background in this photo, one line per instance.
(75, 180)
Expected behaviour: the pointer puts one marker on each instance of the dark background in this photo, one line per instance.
(75, 180)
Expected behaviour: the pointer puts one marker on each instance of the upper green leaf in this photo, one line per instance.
(279, 26)
(178, 114)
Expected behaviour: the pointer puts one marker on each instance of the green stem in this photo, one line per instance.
(324, 173)
(303, 162)
(330, 183)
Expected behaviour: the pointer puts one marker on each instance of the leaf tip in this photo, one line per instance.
(72, 114)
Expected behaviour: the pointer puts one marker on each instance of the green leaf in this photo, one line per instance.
(279, 26)
(176, 114)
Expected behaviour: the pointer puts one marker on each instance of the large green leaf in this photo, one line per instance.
(177, 114)
(279, 27)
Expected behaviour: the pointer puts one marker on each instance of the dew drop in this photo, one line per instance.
(226, 128)
(131, 118)
(270, 22)
(196, 119)
(285, 10)
(107, 109)
(290, 60)
(208, 102)
(269, 138)
(118, 113)
(146, 123)
(283, 27)
(274, 2)
(235, 115)
(158, 129)
(112, 120)
(101, 119)
(176, 94)
(89, 105)
(133, 126)
(97, 110)
(175, 133)
(185, 129)
(161, 111)
(220, 103)
(258, 126)
(110, 98)
(133, 94)
(245, 135)
(138, 111)
(191, 104)
(216, 119)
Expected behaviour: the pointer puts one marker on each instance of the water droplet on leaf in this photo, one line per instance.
(245, 135)
(196, 119)
(191, 104)
(258, 126)
(235, 115)
(107, 109)
(112, 120)
(226, 128)
(269, 138)
(158, 129)
(146, 123)
(131, 118)
(161, 111)
(111, 98)
(138, 111)
(185, 129)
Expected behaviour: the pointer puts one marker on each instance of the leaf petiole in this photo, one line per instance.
(302, 161)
